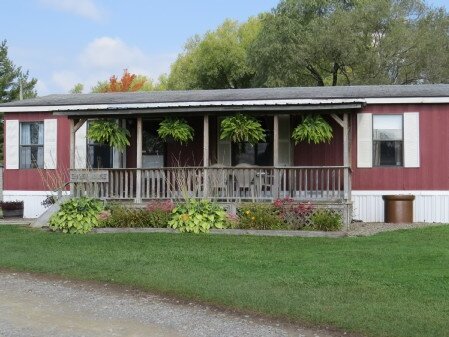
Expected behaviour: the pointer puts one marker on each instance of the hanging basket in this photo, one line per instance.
(241, 128)
(313, 129)
(108, 132)
(175, 130)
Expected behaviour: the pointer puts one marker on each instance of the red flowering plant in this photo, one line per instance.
(232, 220)
(160, 205)
(296, 215)
(104, 215)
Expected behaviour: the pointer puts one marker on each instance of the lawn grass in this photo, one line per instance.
(391, 284)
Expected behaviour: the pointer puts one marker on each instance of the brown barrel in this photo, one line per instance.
(398, 208)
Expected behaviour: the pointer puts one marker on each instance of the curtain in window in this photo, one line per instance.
(376, 153)
(31, 156)
(32, 133)
(398, 152)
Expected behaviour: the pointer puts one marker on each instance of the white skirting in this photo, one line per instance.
(429, 206)
(32, 207)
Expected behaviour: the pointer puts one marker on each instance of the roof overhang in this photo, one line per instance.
(178, 107)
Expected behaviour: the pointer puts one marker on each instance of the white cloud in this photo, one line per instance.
(42, 88)
(84, 8)
(107, 56)
(107, 52)
(65, 80)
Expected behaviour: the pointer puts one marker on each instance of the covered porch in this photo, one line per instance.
(210, 168)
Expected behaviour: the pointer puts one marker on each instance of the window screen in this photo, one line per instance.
(31, 145)
(388, 140)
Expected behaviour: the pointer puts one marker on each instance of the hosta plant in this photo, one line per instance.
(108, 132)
(77, 216)
(177, 129)
(241, 128)
(197, 217)
(313, 129)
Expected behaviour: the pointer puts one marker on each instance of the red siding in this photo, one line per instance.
(190, 154)
(30, 179)
(131, 150)
(433, 173)
(320, 154)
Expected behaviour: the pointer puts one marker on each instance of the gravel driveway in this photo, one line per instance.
(367, 228)
(34, 306)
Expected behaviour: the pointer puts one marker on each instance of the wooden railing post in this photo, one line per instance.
(138, 198)
(205, 156)
(346, 157)
(276, 171)
(72, 153)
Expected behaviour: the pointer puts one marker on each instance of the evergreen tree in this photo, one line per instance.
(10, 78)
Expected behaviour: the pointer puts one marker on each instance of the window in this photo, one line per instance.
(153, 147)
(260, 154)
(388, 141)
(98, 155)
(31, 145)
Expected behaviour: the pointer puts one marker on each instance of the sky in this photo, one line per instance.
(64, 42)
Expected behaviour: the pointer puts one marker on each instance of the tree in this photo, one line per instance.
(217, 60)
(335, 42)
(11, 77)
(128, 82)
(77, 89)
(13, 82)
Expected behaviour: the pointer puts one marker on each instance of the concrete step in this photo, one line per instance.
(45, 217)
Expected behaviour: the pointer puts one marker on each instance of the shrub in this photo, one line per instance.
(259, 216)
(326, 220)
(232, 221)
(295, 215)
(197, 216)
(11, 205)
(77, 216)
(120, 217)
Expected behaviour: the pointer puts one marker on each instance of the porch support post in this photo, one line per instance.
(346, 157)
(205, 154)
(123, 159)
(72, 152)
(139, 162)
(276, 172)
(275, 140)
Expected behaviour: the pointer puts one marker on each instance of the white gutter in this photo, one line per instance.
(408, 100)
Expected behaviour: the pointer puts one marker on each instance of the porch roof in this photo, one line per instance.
(300, 98)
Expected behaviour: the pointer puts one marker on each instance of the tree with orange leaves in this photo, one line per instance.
(128, 82)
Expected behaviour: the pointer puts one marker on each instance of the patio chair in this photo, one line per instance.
(218, 181)
(244, 176)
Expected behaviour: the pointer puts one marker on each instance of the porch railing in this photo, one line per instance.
(227, 184)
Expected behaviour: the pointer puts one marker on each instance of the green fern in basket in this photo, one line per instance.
(241, 128)
(313, 129)
(108, 132)
(177, 129)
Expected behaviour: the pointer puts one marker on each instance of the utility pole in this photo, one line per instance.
(20, 88)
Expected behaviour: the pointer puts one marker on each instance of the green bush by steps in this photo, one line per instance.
(77, 216)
